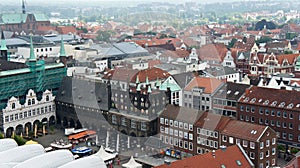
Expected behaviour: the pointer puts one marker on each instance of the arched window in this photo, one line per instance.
(13, 105)
(29, 101)
(33, 101)
(47, 98)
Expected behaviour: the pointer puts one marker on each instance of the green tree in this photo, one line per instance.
(232, 42)
(264, 39)
(104, 36)
(245, 39)
(20, 141)
(1, 136)
(261, 24)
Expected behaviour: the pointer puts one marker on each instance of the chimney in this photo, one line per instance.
(214, 153)
(247, 91)
(223, 148)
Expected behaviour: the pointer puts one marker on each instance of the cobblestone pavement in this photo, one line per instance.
(135, 149)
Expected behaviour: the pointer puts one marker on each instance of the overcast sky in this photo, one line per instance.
(36, 2)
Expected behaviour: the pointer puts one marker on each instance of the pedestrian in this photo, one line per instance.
(118, 161)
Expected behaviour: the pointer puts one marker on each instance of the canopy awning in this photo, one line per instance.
(132, 164)
(104, 155)
(82, 134)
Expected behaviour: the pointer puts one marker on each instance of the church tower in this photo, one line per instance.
(23, 7)
(3, 48)
(62, 53)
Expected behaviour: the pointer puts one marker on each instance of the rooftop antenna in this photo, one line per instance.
(23, 7)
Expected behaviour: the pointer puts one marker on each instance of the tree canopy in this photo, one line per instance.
(104, 35)
(261, 24)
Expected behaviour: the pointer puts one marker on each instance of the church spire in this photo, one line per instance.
(62, 52)
(3, 42)
(23, 7)
(32, 56)
(3, 47)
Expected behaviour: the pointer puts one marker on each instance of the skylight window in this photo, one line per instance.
(260, 100)
(236, 93)
(229, 91)
(239, 163)
(223, 166)
(298, 105)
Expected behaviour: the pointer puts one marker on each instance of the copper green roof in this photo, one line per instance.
(149, 89)
(137, 79)
(138, 87)
(3, 43)
(12, 18)
(27, 70)
(41, 17)
(172, 86)
(32, 56)
(62, 52)
(298, 63)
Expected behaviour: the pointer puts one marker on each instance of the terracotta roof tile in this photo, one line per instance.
(210, 84)
(244, 130)
(266, 97)
(289, 57)
(152, 63)
(212, 52)
(66, 29)
(212, 121)
(152, 74)
(228, 158)
(181, 114)
(294, 163)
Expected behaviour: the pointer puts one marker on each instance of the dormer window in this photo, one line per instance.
(47, 98)
(274, 103)
(253, 100)
(290, 105)
(282, 104)
(266, 102)
(246, 99)
(13, 105)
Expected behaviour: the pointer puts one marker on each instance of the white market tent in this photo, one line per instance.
(132, 164)
(21, 153)
(48, 160)
(86, 162)
(105, 156)
(7, 143)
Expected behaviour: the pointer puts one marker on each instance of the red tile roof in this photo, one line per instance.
(66, 29)
(121, 74)
(212, 52)
(152, 74)
(291, 58)
(210, 84)
(212, 121)
(244, 130)
(175, 54)
(272, 97)
(229, 158)
(294, 163)
(181, 114)
(152, 63)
